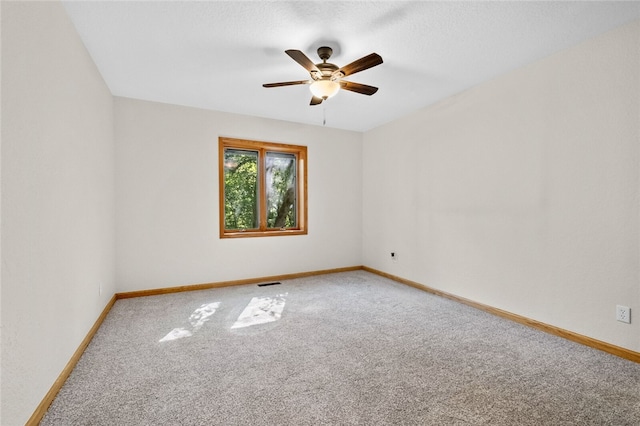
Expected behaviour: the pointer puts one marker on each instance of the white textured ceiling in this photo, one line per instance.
(216, 54)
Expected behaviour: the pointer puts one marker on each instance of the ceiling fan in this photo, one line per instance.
(326, 78)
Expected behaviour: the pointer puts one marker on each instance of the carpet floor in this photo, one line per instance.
(351, 348)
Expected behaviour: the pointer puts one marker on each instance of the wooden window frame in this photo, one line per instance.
(301, 196)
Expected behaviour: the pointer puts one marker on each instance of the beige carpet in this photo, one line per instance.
(339, 349)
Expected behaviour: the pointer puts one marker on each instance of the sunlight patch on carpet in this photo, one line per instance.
(196, 319)
(202, 314)
(261, 310)
(175, 334)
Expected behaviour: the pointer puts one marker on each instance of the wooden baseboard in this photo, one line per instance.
(205, 286)
(569, 335)
(42, 408)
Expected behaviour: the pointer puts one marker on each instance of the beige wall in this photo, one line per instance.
(167, 198)
(521, 193)
(58, 220)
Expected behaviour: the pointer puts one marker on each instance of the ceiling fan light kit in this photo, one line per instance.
(327, 78)
(324, 88)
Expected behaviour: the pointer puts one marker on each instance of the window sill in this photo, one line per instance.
(251, 234)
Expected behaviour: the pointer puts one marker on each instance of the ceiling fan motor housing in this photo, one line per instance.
(326, 69)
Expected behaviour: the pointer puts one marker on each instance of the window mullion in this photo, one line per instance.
(262, 202)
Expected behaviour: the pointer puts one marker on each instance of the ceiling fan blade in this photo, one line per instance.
(286, 83)
(315, 100)
(358, 88)
(361, 64)
(303, 60)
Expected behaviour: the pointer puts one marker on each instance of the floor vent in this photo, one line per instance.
(266, 284)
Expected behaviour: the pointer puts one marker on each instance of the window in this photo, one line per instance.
(263, 188)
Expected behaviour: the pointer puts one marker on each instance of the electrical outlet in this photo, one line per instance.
(394, 256)
(623, 314)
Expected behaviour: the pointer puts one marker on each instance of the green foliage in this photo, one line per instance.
(241, 189)
(281, 191)
(241, 195)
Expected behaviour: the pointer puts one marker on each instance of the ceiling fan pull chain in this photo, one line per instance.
(324, 115)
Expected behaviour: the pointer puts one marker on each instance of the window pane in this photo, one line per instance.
(281, 190)
(241, 189)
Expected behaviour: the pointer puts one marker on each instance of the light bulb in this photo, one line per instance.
(324, 88)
